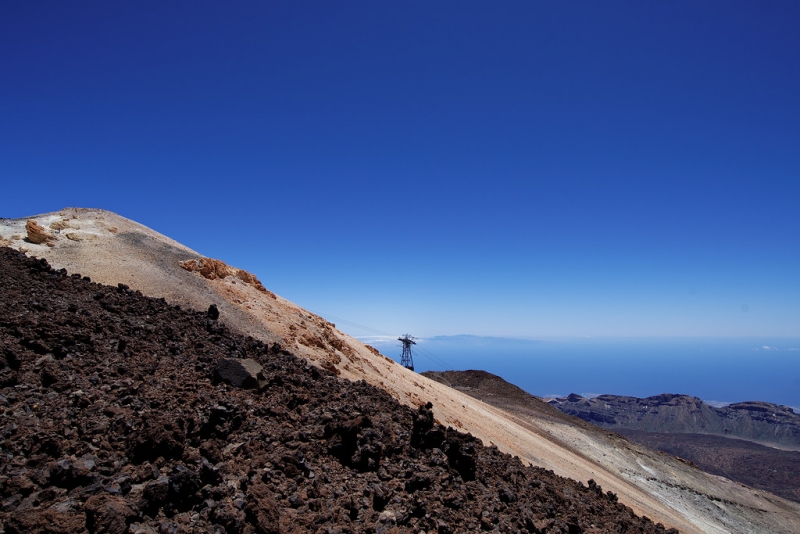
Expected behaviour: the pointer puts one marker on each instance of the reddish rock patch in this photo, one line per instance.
(218, 269)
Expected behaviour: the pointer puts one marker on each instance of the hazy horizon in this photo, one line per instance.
(717, 370)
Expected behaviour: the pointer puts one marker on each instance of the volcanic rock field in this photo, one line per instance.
(114, 419)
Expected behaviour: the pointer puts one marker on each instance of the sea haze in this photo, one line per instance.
(715, 369)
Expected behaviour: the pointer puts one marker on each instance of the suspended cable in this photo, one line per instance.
(425, 352)
(433, 357)
(351, 323)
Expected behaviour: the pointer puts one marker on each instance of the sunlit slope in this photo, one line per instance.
(111, 249)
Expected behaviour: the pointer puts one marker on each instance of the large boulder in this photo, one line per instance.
(37, 233)
(240, 373)
(108, 513)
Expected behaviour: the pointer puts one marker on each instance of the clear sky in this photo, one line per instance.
(488, 168)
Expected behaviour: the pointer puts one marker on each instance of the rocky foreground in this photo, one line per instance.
(114, 419)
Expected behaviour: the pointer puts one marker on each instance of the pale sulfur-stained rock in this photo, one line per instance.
(63, 224)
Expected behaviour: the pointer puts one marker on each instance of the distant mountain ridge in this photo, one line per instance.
(761, 422)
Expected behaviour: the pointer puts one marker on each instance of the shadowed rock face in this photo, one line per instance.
(112, 421)
(761, 422)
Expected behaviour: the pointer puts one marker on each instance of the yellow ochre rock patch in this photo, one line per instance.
(37, 234)
(215, 269)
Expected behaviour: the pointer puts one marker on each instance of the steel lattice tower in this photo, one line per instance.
(406, 360)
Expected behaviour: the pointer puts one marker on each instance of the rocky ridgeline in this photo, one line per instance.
(757, 421)
(115, 416)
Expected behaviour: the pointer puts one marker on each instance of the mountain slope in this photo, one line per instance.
(761, 467)
(116, 418)
(112, 249)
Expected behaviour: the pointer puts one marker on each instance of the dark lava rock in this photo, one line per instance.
(44, 521)
(69, 474)
(134, 424)
(107, 513)
(240, 373)
(156, 492)
(261, 508)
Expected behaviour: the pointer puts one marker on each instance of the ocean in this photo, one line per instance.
(718, 370)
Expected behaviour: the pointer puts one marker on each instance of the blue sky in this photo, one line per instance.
(504, 169)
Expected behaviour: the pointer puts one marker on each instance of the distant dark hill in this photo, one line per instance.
(495, 391)
(758, 466)
(761, 422)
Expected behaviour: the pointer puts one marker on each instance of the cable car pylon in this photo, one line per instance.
(406, 360)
